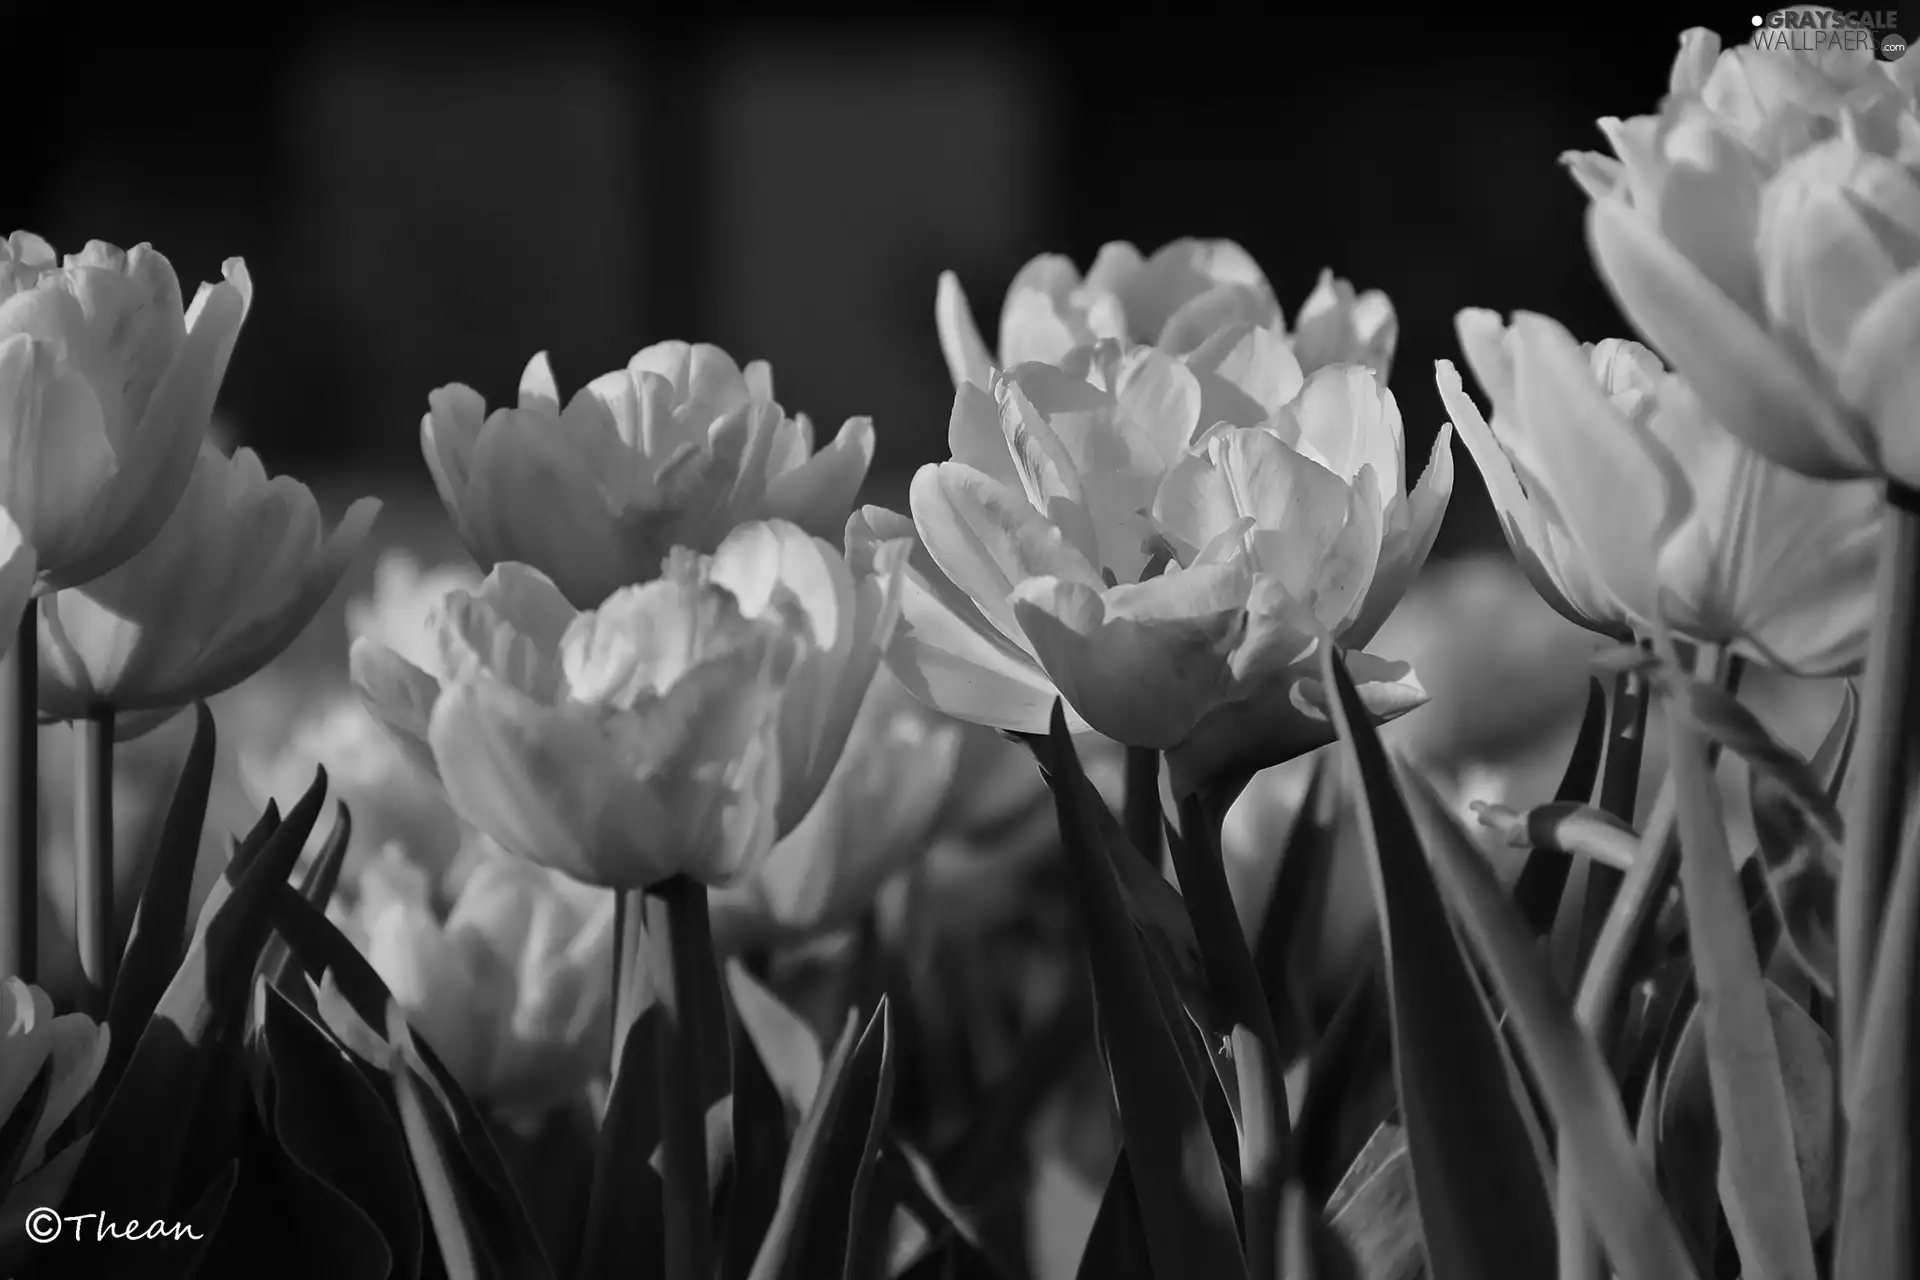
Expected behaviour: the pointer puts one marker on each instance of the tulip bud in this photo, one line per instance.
(1838, 225)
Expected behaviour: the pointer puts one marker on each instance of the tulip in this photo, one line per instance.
(679, 729)
(72, 1048)
(1763, 232)
(1631, 508)
(106, 386)
(1088, 541)
(17, 569)
(876, 815)
(675, 450)
(230, 581)
(1184, 294)
(512, 988)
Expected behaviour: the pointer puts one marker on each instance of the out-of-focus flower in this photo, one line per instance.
(232, 578)
(672, 451)
(1177, 299)
(1763, 231)
(680, 728)
(876, 815)
(106, 386)
(72, 1046)
(1630, 506)
(512, 988)
(1089, 541)
(402, 611)
(1504, 673)
(16, 580)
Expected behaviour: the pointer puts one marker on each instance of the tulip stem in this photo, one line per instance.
(679, 941)
(1619, 794)
(93, 867)
(20, 801)
(1235, 982)
(1889, 719)
(1143, 816)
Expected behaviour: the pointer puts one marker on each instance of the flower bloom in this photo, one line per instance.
(672, 451)
(1763, 232)
(106, 386)
(32, 1038)
(680, 728)
(877, 813)
(231, 579)
(1185, 293)
(1090, 540)
(1631, 507)
(512, 987)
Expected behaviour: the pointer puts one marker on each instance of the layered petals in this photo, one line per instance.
(106, 387)
(237, 572)
(675, 450)
(1632, 509)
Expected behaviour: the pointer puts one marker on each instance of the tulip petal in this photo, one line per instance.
(1404, 550)
(1140, 662)
(1256, 364)
(1347, 420)
(55, 458)
(1881, 378)
(818, 494)
(945, 651)
(987, 539)
(398, 694)
(1751, 384)
(960, 341)
(1201, 317)
(1601, 473)
(538, 390)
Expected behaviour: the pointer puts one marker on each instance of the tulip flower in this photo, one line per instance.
(1089, 541)
(16, 579)
(877, 813)
(1184, 294)
(106, 386)
(1630, 507)
(680, 728)
(230, 581)
(72, 1047)
(1764, 233)
(672, 451)
(513, 987)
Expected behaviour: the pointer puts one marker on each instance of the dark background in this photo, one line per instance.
(432, 198)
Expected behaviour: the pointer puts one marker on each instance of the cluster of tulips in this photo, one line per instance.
(693, 722)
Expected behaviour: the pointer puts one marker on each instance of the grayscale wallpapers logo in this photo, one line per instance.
(1809, 30)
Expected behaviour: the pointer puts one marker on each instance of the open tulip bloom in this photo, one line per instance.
(237, 572)
(1630, 508)
(106, 387)
(1763, 231)
(1182, 295)
(1165, 543)
(675, 450)
(678, 729)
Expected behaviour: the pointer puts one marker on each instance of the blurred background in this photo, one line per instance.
(426, 198)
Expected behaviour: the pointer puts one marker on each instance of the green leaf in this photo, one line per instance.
(456, 1218)
(1188, 1218)
(1802, 868)
(623, 1230)
(1375, 1211)
(1724, 719)
(1595, 1147)
(316, 887)
(192, 1033)
(16, 1135)
(1835, 752)
(1350, 1088)
(829, 1165)
(1877, 1192)
(160, 931)
(1761, 1186)
(1543, 880)
(1483, 1202)
(1287, 943)
(915, 1185)
(761, 1110)
(335, 1130)
(784, 1045)
(206, 1215)
(1118, 1247)
(322, 952)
